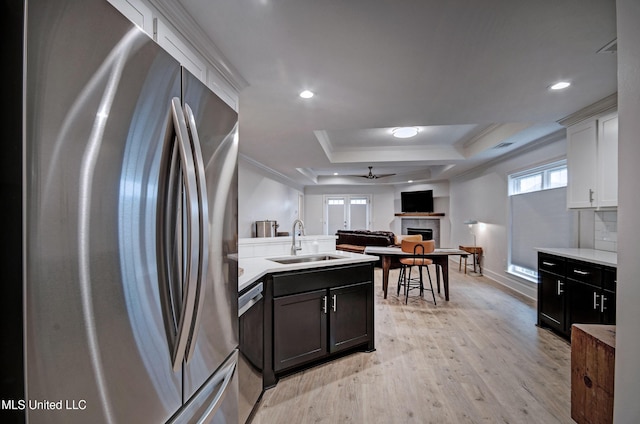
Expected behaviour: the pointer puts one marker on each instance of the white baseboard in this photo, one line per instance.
(525, 288)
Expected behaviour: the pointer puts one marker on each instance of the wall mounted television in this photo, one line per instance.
(416, 201)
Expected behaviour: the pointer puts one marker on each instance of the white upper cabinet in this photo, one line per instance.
(180, 51)
(136, 12)
(608, 161)
(592, 163)
(180, 44)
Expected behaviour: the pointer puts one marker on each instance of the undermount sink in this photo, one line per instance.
(301, 259)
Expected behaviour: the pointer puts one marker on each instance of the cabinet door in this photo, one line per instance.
(608, 307)
(581, 164)
(351, 316)
(552, 301)
(608, 161)
(299, 328)
(584, 304)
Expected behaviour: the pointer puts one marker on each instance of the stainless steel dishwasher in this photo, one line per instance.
(251, 358)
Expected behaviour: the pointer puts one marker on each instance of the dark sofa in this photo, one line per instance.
(357, 240)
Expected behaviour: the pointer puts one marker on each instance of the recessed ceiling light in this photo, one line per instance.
(560, 85)
(410, 181)
(405, 132)
(335, 173)
(306, 94)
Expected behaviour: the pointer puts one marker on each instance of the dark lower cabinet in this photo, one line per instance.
(552, 306)
(574, 292)
(299, 329)
(350, 317)
(318, 313)
(310, 326)
(591, 305)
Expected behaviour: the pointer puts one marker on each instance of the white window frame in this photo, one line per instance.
(347, 202)
(543, 171)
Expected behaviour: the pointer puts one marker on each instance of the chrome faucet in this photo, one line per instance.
(294, 248)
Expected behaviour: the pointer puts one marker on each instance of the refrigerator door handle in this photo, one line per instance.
(189, 295)
(217, 400)
(203, 225)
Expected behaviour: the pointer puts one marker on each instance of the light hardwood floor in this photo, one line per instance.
(478, 358)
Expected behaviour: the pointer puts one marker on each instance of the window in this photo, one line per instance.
(545, 177)
(538, 216)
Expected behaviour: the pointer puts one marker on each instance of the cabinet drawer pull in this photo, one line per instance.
(559, 285)
(602, 307)
(335, 302)
(595, 300)
(548, 263)
(577, 271)
(324, 304)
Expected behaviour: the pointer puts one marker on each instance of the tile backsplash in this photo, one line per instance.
(606, 230)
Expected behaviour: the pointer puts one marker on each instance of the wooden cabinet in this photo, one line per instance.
(350, 316)
(552, 292)
(572, 291)
(592, 373)
(592, 163)
(309, 326)
(320, 312)
(592, 297)
(299, 328)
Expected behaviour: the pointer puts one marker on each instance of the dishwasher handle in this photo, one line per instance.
(250, 298)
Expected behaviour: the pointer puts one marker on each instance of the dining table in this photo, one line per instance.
(439, 256)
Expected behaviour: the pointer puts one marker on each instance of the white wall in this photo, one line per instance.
(262, 197)
(382, 202)
(482, 195)
(627, 378)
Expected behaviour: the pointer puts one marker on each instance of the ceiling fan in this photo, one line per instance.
(372, 176)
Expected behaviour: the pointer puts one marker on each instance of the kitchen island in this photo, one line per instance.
(314, 305)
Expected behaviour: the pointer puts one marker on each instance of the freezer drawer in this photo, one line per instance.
(217, 400)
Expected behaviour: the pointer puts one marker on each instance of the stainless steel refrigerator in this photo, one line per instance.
(129, 228)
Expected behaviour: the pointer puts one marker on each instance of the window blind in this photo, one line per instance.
(539, 219)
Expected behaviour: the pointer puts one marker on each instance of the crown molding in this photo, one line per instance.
(268, 172)
(543, 141)
(605, 105)
(187, 27)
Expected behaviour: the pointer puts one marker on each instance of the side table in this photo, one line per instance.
(476, 251)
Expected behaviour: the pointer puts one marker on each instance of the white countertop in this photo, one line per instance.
(255, 268)
(601, 257)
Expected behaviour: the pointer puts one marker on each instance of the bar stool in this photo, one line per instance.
(417, 248)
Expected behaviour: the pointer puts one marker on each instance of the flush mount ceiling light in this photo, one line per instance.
(405, 132)
(560, 85)
(306, 94)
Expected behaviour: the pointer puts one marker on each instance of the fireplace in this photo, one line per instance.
(426, 233)
(422, 224)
